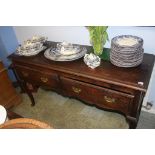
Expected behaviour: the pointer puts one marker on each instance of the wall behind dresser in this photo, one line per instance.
(8, 44)
(80, 35)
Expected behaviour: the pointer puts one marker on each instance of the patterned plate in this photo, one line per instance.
(126, 55)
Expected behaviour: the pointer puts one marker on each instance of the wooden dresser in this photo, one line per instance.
(107, 87)
(8, 94)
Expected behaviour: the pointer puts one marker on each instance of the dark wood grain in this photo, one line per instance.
(102, 97)
(128, 77)
(107, 86)
(13, 115)
(8, 95)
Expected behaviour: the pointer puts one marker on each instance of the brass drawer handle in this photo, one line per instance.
(109, 99)
(25, 74)
(44, 79)
(76, 90)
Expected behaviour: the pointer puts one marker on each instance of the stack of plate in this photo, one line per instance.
(65, 52)
(126, 51)
(31, 47)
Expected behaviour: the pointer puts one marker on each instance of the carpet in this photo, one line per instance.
(65, 113)
(146, 121)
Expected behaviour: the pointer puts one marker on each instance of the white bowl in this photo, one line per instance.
(3, 114)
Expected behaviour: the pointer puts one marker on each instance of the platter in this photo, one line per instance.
(54, 55)
(31, 47)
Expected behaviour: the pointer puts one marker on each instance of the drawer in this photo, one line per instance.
(37, 77)
(92, 94)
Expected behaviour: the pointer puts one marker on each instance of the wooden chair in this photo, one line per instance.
(24, 123)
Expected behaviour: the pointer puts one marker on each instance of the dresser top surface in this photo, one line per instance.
(106, 72)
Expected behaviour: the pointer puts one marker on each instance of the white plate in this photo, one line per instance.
(59, 57)
(23, 53)
(3, 114)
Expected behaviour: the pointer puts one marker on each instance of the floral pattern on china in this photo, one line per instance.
(31, 46)
(65, 48)
(65, 52)
(40, 39)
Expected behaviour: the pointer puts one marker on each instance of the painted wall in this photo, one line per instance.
(80, 35)
(8, 44)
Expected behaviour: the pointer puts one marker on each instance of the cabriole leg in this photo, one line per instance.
(132, 122)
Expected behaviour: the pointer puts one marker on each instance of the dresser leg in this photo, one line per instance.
(24, 88)
(31, 98)
(29, 93)
(132, 122)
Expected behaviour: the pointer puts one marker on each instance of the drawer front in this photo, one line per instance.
(102, 97)
(37, 77)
